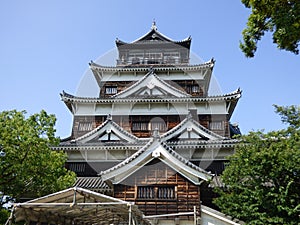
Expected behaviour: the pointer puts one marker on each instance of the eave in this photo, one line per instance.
(234, 96)
(188, 144)
(145, 68)
(93, 147)
(69, 147)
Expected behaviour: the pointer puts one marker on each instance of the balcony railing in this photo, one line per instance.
(151, 61)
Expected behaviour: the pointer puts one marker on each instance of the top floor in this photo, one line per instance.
(153, 48)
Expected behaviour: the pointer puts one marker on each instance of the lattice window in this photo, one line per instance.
(159, 192)
(145, 126)
(111, 90)
(216, 125)
(85, 126)
(167, 192)
(77, 167)
(146, 192)
(161, 126)
(195, 89)
(140, 126)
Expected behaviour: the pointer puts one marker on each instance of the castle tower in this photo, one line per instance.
(154, 136)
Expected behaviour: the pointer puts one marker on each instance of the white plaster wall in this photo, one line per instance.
(150, 108)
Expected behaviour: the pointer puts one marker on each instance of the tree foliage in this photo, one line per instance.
(281, 17)
(262, 180)
(30, 168)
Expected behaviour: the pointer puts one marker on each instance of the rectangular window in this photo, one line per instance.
(156, 192)
(161, 126)
(216, 125)
(171, 57)
(167, 192)
(195, 89)
(85, 126)
(77, 167)
(146, 192)
(140, 126)
(111, 90)
(145, 126)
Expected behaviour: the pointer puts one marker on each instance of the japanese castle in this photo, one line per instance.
(153, 137)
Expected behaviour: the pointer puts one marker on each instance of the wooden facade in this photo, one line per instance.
(158, 189)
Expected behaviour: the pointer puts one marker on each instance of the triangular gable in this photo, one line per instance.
(108, 131)
(155, 35)
(152, 35)
(154, 149)
(190, 129)
(151, 85)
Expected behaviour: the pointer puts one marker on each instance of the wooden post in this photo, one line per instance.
(195, 215)
(129, 215)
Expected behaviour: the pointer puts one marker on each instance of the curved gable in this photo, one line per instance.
(108, 131)
(151, 85)
(190, 129)
(155, 150)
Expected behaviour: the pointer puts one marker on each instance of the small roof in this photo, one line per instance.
(155, 149)
(78, 206)
(108, 131)
(151, 86)
(190, 129)
(155, 36)
(93, 183)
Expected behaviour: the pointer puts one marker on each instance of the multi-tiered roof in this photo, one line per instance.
(153, 107)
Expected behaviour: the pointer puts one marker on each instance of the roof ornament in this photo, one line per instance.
(189, 116)
(109, 117)
(154, 27)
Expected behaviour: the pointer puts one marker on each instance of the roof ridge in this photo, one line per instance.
(183, 159)
(129, 159)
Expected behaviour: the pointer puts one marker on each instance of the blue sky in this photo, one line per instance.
(45, 48)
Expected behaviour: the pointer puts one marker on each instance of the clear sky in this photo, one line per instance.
(45, 48)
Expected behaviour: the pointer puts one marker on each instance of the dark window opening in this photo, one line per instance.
(156, 192)
(111, 90)
(145, 126)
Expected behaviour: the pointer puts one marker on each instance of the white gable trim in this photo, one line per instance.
(154, 149)
(151, 82)
(192, 126)
(108, 126)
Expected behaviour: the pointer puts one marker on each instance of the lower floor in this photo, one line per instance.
(84, 207)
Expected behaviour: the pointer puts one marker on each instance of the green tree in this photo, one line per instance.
(262, 180)
(30, 168)
(281, 17)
